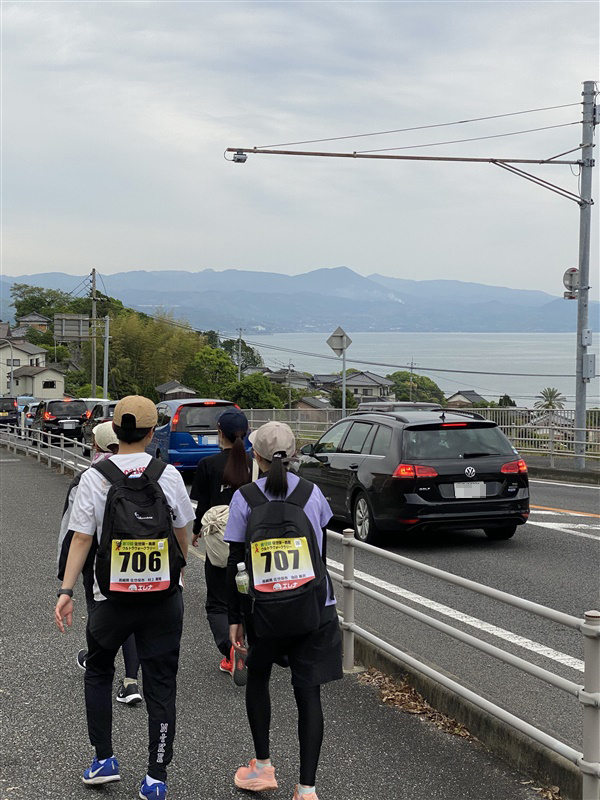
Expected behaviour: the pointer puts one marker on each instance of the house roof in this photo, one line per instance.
(173, 386)
(469, 394)
(33, 317)
(25, 347)
(5, 332)
(315, 402)
(29, 372)
(20, 331)
(365, 379)
(325, 378)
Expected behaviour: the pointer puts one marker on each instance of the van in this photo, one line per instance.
(186, 431)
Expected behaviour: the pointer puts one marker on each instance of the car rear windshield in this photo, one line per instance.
(455, 442)
(67, 408)
(7, 404)
(201, 418)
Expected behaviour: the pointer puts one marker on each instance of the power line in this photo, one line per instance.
(474, 139)
(418, 127)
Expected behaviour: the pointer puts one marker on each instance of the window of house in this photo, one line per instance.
(48, 384)
(13, 362)
(367, 392)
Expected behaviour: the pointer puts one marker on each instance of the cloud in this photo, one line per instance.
(116, 117)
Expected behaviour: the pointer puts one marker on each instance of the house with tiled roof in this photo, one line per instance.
(173, 390)
(464, 398)
(42, 382)
(367, 386)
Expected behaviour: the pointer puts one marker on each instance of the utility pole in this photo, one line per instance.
(240, 331)
(410, 390)
(585, 363)
(105, 372)
(93, 321)
(290, 365)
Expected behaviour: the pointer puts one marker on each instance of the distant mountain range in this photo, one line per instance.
(324, 298)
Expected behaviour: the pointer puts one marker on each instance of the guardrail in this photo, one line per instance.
(588, 695)
(532, 431)
(54, 449)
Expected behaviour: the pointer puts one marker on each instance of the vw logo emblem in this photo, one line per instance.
(470, 472)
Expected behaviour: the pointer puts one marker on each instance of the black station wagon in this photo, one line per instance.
(419, 470)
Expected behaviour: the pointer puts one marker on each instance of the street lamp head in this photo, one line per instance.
(239, 157)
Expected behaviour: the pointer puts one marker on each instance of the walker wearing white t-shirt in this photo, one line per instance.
(156, 622)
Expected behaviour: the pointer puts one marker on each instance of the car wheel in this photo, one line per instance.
(501, 533)
(365, 529)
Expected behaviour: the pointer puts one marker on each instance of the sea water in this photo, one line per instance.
(493, 364)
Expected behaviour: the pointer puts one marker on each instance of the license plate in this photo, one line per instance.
(206, 439)
(471, 489)
(3, 413)
(69, 424)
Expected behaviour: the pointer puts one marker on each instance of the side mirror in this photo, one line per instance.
(307, 450)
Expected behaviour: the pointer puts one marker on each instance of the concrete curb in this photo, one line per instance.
(566, 475)
(510, 745)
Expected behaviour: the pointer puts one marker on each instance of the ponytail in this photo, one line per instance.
(236, 472)
(277, 484)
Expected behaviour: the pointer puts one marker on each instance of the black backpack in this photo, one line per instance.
(64, 544)
(138, 554)
(288, 576)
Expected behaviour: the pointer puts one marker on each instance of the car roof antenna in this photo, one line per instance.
(443, 416)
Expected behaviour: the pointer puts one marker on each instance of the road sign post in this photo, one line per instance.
(339, 341)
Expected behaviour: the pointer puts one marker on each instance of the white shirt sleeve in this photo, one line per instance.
(183, 508)
(83, 515)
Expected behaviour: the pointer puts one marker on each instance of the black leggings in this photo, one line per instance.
(310, 721)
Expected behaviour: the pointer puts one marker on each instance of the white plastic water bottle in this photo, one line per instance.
(242, 579)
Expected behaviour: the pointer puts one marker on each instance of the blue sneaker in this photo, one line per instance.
(158, 791)
(102, 773)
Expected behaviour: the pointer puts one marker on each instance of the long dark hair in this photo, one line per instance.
(236, 472)
(277, 484)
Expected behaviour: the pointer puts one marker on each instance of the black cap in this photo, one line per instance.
(233, 421)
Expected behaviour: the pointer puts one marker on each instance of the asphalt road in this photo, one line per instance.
(371, 752)
(553, 560)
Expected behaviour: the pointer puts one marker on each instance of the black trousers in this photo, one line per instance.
(157, 626)
(216, 605)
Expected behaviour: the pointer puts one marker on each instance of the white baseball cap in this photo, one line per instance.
(104, 436)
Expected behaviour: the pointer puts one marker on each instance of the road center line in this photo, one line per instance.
(567, 485)
(558, 526)
(566, 511)
(466, 619)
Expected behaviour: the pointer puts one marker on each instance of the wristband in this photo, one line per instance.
(68, 592)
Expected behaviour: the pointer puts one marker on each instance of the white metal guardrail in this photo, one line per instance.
(66, 453)
(532, 431)
(588, 694)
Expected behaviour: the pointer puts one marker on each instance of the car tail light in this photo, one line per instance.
(48, 415)
(15, 404)
(408, 521)
(175, 419)
(235, 405)
(454, 424)
(412, 471)
(514, 467)
(209, 403)
(87, 414)
(29, 415)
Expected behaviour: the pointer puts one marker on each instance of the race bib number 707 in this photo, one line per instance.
(281, 564)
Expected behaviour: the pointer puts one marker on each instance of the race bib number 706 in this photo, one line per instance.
(139, 565)
(281, 564)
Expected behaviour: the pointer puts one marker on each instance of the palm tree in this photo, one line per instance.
(550, 398)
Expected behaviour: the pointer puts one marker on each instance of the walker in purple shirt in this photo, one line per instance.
(317, 510)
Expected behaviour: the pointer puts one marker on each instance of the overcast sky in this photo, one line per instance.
(116, 116)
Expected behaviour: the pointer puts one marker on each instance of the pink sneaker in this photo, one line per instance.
(298, 796)
(255, 778)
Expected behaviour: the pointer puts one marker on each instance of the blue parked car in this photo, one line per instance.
(186, 431)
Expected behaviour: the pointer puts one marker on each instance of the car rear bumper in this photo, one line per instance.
(189, 459)
(457, 515)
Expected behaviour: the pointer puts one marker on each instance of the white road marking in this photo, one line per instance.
(8, 460)
(569, 485)
(558, 526)
(508, 636)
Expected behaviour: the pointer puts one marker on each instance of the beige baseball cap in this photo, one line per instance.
(104, 436)
(274, 437)
(135, 411)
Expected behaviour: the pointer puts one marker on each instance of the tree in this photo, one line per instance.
(550, 398)
(27, 299)
(506, 401)
(424, 390)
(250, 356)
(253, 391)
(336, 398)
(211, 372)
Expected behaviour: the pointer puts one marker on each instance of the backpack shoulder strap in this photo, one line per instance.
(301, 494)
(253, 495)
(155, 469)
(109, 470)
